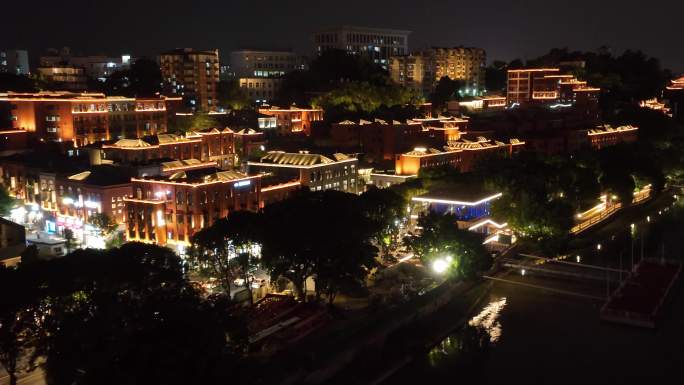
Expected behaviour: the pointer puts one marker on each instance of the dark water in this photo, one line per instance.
(523, 335)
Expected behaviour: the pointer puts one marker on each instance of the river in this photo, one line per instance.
(523, 335)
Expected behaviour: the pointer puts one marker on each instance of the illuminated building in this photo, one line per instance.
(14, 61)
(64, 77)
(96, 67)
(192, 74)
(84, 118)
(71, 200)
(211, 145)
(293, 119)
(480, 103)
(249, 141)
(466, 203)
(422, 70)
(258, 63)
(674, 96)
(376, 43)
(317, 172)
(549, 87)
(606, 135)
(171, 209)
(381, 140)
(655, 105)
(461, 154)
(260, 90)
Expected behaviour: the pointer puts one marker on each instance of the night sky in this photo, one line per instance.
(507, 29)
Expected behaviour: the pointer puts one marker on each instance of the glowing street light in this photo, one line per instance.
(440, 265)
(598, 247)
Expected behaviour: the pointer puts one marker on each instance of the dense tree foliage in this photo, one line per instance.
(142, 79)
(385, 208)
(228, 250)
(119, 316)
(440, 238)
(6, 201)
(231, 97)
(445, 91)
(321, 235)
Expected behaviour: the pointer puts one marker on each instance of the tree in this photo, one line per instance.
(104, 223)
(17, 326)
(6, 202)
(198, 121)
(332, 259)
(69, 239)
(445, 90)
(230, 96)
(124, 316)
(142, 79)
(228, 250)
(385, 208)
(441, 239)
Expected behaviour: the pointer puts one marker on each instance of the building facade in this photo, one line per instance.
(14, 61)
(64, 77)
(258, 63)
(85, 118)
(461, 154)
(294, 119)
(97, 67)
(674, 97)
(205, 146)
(260, 90)
(376, 43)
(422, 70)
(548, 86)
(317, 172)
(192, 74)
(170, 210)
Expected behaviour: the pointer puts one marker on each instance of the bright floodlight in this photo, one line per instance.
(440, 265)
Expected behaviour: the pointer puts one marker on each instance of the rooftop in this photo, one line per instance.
(458, 194)
(199, 176)
(300, 159)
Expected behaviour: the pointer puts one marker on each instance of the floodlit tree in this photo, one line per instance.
(322, 235)
(386, 209)
(229, 250)
(6, 202)
(441, 241)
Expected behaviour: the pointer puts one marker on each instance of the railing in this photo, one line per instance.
(596, 219)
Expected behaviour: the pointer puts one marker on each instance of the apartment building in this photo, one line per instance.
(14, 61)
(422, 70)
(193, 75)
(259, 63)
(548, 86)
(378, 44)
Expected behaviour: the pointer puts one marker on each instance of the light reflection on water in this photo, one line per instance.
(474, 339)
(488, 319)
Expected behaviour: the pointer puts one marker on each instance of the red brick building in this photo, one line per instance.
(209, 145)
(294, 119)
(170, 210)
(84, 118)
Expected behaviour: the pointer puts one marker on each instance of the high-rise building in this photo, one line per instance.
(377, 43)
(14, 61)
(192, 74)
(422, 70)
(259, 63)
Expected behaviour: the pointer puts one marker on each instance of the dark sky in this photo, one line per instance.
(507, 29)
